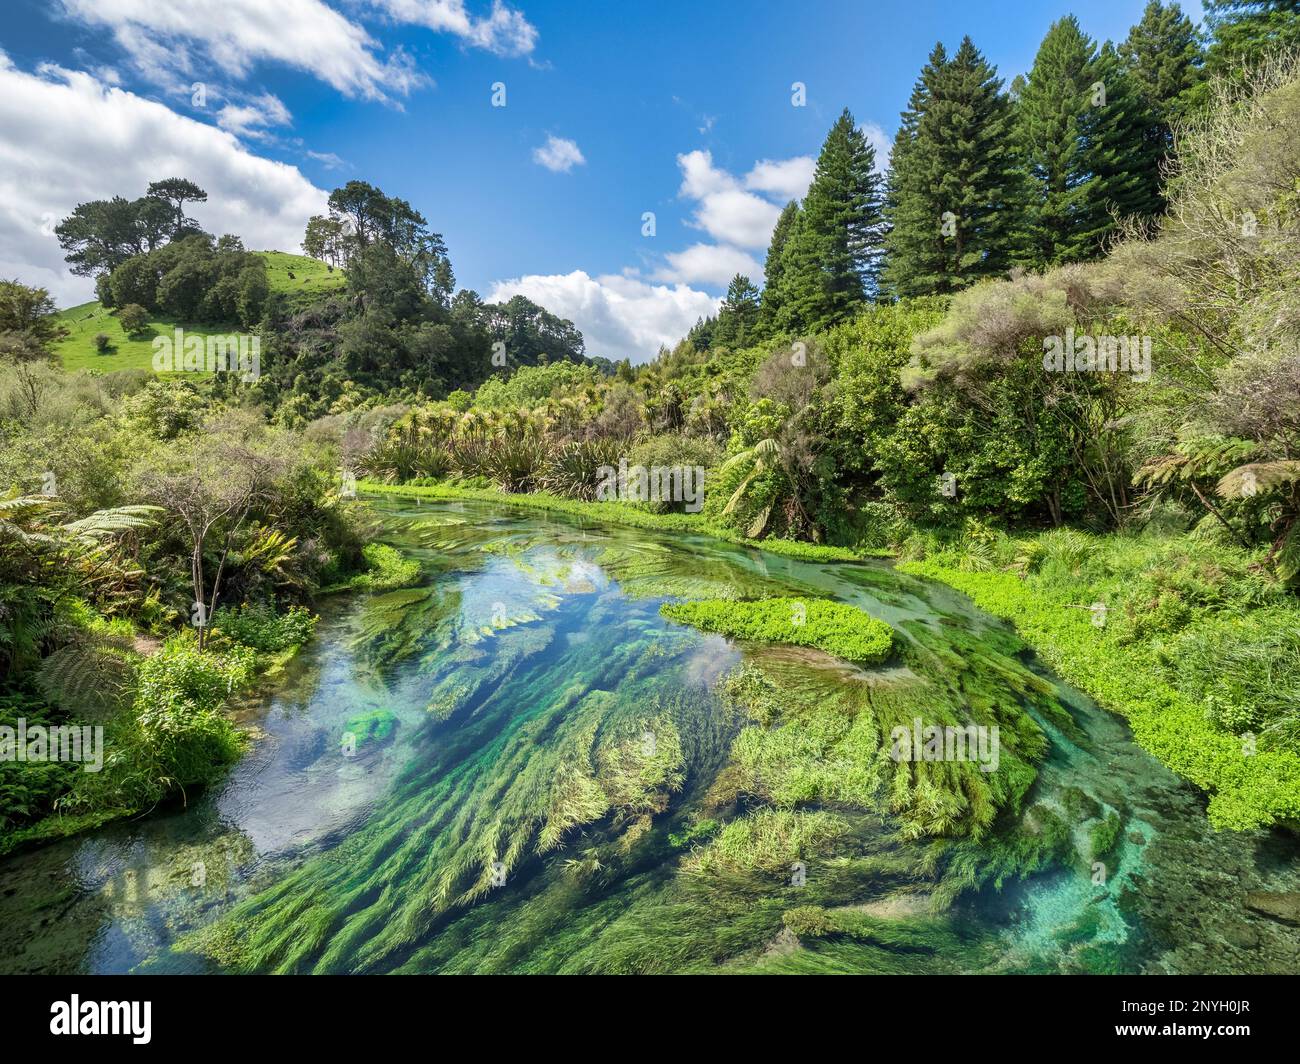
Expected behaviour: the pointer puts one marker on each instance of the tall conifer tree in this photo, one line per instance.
(831, 255)
(955, 194)
(772, 279)
(1087, 139)
(1246, 32)
(1163, 54)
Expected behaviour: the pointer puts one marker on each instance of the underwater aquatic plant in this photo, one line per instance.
(837, 628)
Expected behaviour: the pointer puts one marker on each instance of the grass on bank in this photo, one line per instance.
(1215, 709)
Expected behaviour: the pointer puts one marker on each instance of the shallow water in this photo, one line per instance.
(524, 680)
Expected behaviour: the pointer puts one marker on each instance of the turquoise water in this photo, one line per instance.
(559, 765)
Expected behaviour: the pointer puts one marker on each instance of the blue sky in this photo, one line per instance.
(611, 110)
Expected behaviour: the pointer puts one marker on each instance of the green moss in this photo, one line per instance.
(697, 832)
(844, 631)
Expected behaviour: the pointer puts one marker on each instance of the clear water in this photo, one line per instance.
(535, 648)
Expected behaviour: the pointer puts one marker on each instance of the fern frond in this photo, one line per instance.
(109, 522)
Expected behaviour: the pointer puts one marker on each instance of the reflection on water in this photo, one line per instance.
(539, 761)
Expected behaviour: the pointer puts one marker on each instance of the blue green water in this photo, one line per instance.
(560, 763)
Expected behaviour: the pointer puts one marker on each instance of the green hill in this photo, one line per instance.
(310, 279)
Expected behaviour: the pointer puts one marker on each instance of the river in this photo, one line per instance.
(520, 766)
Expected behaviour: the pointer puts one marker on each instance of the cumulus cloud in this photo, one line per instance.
(558, 155)
(724, 209)
(175, 42)
(732, 211)
(785, 178)
(620, 316)
(712, 264)
(66, 138)
(172, 41)
(254, 116)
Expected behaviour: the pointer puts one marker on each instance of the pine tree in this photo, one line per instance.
(1088, 142)
(1164, 56)
(831, 255)
(738, 314)
(955, 195)
(1124, 145)
(772, 277)
(1246, 32)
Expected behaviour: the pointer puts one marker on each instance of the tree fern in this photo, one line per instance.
(103, 523)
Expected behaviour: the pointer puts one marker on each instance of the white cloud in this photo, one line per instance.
(173, 41)
(786, 179)
(711, 264)
(620, 316)
(327, 159)
(252, 117)
(503, 32)
(725, 210)
(881, 141)
(66, 138)
(558, 155)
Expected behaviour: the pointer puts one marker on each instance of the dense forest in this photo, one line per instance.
(1046, 352)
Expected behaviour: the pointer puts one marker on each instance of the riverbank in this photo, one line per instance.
(180, 720)
(1187, 666)
(618, 513)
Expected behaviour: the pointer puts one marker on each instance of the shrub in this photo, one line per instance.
(261, 628)
(102, 343)
(133, 318)
(671, 450)
(573, 470)
(28, 789)
(515, 463)
(398, 460)
(184, 735)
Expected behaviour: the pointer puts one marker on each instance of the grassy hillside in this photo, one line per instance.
(309, 279)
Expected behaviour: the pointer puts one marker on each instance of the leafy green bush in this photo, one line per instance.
(839, 629)
(260, 627)
(133, 318)
(672, 450)
(184, 737)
